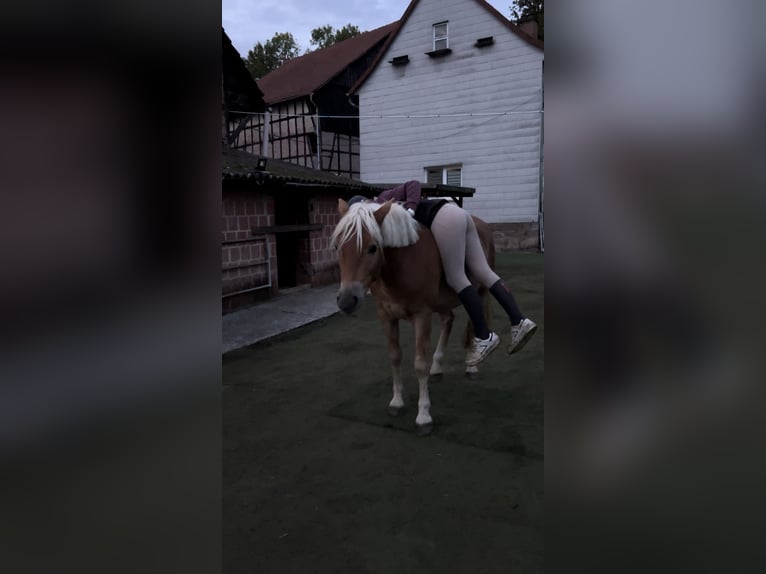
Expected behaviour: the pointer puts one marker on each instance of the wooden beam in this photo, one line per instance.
(287, 228)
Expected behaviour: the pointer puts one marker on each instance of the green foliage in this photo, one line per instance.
(326, 36)
(267, 57)
(524, 10)
(264, 58)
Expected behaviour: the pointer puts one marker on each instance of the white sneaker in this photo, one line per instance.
(520, 335)
(480, 349)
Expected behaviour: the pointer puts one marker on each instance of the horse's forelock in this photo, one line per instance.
(359, 218)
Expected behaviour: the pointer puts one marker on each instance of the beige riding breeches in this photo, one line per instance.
(458, 241)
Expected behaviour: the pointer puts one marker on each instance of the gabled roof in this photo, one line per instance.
(240, 92)
(491, 9)
(304, 75)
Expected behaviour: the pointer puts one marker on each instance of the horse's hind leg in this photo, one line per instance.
(437, 370)
(391, 326)
(422, 367)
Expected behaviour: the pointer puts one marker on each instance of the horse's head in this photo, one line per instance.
(359, 242)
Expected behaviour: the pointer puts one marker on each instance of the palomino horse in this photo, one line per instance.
(382, 248)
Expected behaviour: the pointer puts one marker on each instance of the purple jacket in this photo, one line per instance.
(409, 194)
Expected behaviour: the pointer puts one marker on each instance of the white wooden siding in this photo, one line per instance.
(500, 155)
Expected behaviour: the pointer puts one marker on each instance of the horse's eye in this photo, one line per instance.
(372, 249)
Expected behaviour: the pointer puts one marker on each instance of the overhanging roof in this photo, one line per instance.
(242, 166)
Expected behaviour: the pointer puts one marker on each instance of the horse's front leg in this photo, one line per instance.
(437, 370)
(391, 327)
(422, 367)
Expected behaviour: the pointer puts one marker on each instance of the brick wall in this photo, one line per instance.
(304, 260)
(242, 254)
(323, 210)
(516, 236)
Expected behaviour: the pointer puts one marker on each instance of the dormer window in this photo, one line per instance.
(441, 36)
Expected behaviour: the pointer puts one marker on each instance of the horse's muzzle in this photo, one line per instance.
(349, 297)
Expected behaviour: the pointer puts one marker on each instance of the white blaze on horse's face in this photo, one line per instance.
(358, 269)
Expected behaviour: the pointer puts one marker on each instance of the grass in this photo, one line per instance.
(317, 478)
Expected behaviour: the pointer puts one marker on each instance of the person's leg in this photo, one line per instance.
(503, 296)
(521, 327)
(449, 229)
(480, 269)
(475, 259)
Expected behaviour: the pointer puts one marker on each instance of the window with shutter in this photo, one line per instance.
(445, 175)
(434, 175)
(454, 176)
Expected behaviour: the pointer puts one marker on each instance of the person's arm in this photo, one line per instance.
(409, 194)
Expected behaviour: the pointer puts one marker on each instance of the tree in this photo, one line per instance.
(525, 10)
(325, 36)
(264, 58)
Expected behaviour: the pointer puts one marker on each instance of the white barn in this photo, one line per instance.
(455, 96)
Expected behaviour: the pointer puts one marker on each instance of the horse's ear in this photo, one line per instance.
(382, 211)
(342, 206)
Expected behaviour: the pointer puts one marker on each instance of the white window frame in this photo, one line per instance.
(439, 38)
(444, 169)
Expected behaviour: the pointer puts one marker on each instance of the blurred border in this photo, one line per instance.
(109, 400)
(655, 220)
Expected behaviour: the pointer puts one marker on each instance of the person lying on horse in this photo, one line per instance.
(459, 247)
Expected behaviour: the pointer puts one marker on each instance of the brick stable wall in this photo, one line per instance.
(516, 236)
(318, 263)
(324, 260)
(241, 252)
(323, 210)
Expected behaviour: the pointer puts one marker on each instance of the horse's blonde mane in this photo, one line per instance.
(398, 229)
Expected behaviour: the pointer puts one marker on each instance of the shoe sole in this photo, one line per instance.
(523, 341)
(497, 344)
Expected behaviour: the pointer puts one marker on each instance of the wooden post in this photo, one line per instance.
(319, 142)
(265, 133)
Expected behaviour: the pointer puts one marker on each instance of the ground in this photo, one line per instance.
(318, 478)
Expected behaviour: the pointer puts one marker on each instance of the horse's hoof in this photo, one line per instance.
(395, 411)
(425, 430)
(472, 375)
(435, 377)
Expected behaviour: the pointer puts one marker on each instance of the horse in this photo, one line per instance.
(381, 248)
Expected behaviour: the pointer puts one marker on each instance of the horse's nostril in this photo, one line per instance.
(337, 298)
(356, 299)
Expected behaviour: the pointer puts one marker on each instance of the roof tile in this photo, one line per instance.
(306, 74)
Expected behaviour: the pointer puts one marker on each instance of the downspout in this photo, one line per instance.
(266, 132)
(541, 175)
(359, 123)
(319, 132)
(541, 194)
(225, 114)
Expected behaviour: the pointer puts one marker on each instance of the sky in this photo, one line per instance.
(250, 21)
